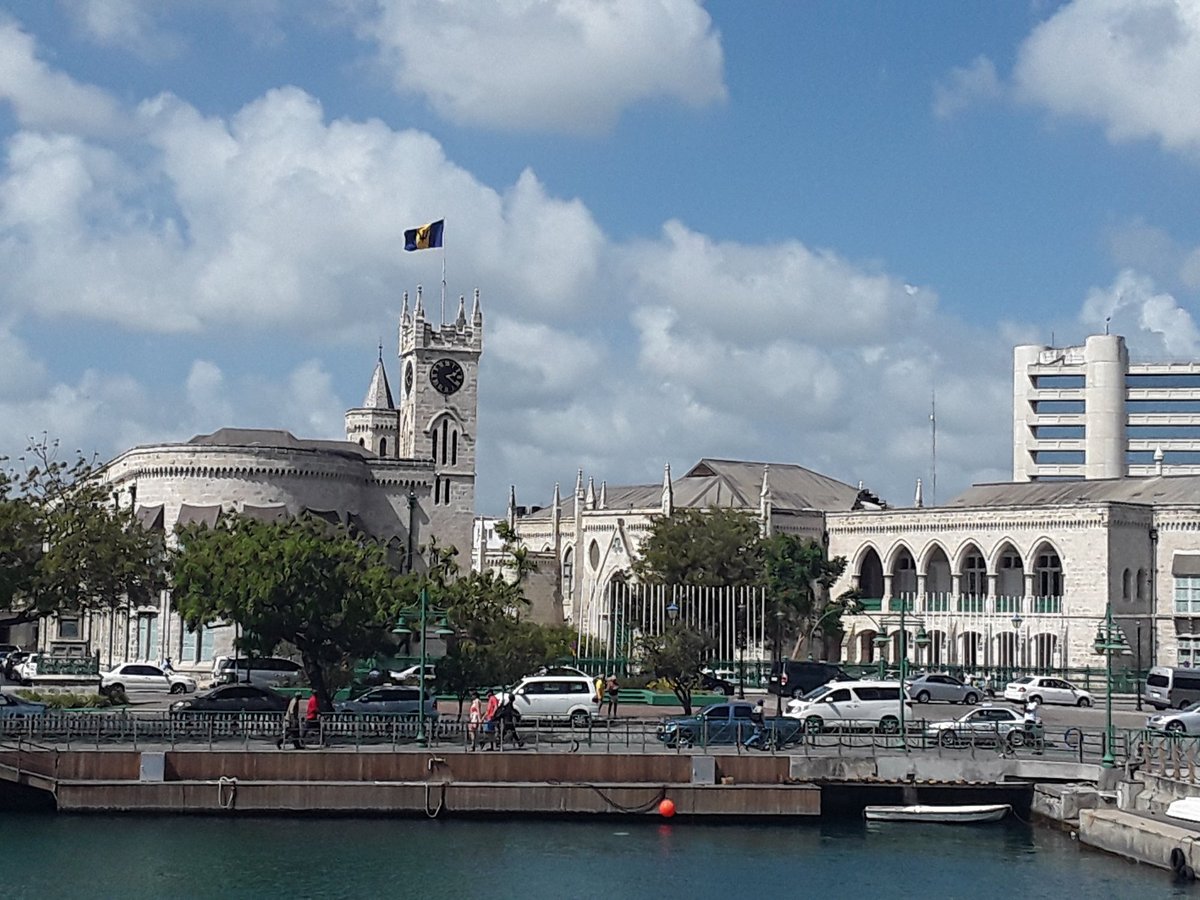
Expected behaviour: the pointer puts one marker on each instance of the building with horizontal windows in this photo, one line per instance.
(1088, 412)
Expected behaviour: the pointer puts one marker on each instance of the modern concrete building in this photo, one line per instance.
(1088, 412)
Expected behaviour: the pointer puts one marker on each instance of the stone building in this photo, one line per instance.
(404, 475)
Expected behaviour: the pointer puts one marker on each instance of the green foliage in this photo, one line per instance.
(299, 581)
(73, 700)
(65, 546)
(798, 576)
(676, 656)
(715, 547)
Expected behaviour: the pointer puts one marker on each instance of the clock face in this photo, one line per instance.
(446, 376)
(408, 378)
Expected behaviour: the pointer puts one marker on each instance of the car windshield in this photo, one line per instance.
(1028, 679)
(817, 693)
(1194, 706)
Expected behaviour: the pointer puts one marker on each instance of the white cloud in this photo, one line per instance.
(1153, 322)
(1131, 65)
(45, 98)
(124, 24)
(966, 87)
(556, 65)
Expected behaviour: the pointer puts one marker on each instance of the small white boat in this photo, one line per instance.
(949, 815)
(1187, 809)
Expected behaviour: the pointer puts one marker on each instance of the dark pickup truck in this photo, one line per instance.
(725, 723)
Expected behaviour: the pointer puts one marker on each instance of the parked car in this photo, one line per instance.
(854, 704)
(411, 674)
(233, 698)
(264, 671)
(724, 723)
(15, 707)
(26, 667)
(713, 681)
(1046, 689)
(6, 649)
(993, 723)
(392, 699)
(145, 677)
(1183, 721)
(795, 678)
(557, 697)
(935, 686)
(1171, 688)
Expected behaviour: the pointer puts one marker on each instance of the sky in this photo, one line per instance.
(770, 231)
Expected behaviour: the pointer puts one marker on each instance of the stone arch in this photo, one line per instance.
(936, 567)
(972, 568)
(1127, 585)
(870, 574)
(903, 569)
(1048, 573)
(1143, 585)
(1009, 566)
(568, 574)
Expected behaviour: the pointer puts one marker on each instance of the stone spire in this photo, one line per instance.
(476, 312)
(604, 495)
(379, 394)
(579, 485)
(460, 321)
(512, 506)
(405, 315)
(590, 499)
(919, 499)
(418, 309)
(556, 505)
(1158, 460)
(668, 493)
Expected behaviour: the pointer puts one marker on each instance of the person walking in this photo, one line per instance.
(312, 716)
(508, 716)
(612, 688)
(489, 721)
(474, 720)
(291, 725)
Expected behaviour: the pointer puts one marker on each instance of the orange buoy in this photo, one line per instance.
(666, 809)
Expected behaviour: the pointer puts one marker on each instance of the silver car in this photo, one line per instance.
(1180, 721)
(946, 688)
(390, 699)
(984, 725)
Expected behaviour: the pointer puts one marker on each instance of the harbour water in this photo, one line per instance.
(130, 858)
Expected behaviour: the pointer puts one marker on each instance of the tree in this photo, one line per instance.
(67, 546)
(676, 656)
(798, 576)
(715, 547)
(299, 581)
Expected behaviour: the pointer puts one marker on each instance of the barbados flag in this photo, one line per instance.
(424, 237)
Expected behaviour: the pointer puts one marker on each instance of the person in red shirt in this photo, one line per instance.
(312, 715)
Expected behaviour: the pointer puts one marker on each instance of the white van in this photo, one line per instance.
(861, 704)
(1168, 688)
(557, 697)
(264, 671)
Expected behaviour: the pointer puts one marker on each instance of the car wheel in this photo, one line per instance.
(1035, 699)
(947, 739)
(580, 719)
(1084, 701)
(177, 689)
(116, 688)
(889, 725)
(923, 697)
(1176, 726)
(814, 725)
(1016, 738)
(971, 699)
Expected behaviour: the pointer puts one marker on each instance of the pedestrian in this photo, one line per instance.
(312, 716)
(489, 720)
(758, 718)
(291, 724)
(612, 688)
(1032, 717)
(599, 692)
(508, 716)
(474, 720)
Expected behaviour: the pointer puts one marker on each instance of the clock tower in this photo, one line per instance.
(439, 399)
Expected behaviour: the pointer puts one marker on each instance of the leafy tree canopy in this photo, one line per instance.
(299, 581)
(714, 547)
(66, 545)
(676, 656)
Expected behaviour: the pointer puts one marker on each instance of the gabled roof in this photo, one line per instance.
(379, 394)
(1150, 490)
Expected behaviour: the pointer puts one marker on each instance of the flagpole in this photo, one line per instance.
(443, 271)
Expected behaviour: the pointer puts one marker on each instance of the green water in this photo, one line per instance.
(59, 856)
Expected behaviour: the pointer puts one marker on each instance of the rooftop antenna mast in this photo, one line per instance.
(933, 447)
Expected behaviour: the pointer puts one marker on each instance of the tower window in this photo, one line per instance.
(435, 437)
(454, 448)
(446, 489)
(445, 435)
(383, 446)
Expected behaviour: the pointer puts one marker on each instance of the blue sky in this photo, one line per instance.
(762, 231)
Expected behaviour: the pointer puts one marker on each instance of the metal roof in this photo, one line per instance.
(1154, 490)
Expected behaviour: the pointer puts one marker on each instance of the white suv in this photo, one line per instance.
(146, 677)
(873, 704)
(557, 697)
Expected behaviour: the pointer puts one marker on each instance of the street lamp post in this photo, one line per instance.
(443, 630)
(1109, 639)
(779, 657)
(740, 624)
